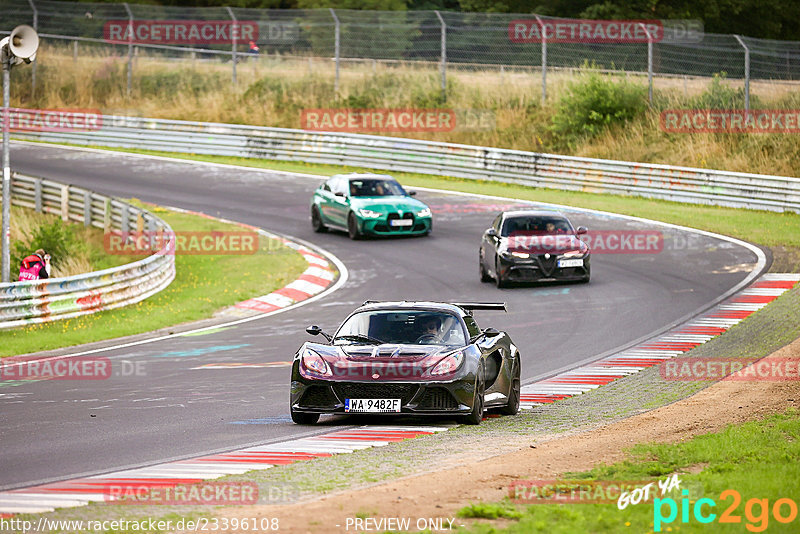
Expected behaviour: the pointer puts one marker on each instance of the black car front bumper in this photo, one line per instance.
(539, 268)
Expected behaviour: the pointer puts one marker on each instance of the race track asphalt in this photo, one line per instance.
(58, 429)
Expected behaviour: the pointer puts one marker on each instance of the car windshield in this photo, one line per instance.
(402, 327)
(375, 187)
(537, 225)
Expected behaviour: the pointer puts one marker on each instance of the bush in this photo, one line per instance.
(592, 104)
(719, 95)
(56, 238)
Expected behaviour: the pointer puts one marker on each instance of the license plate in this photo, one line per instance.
(401, 222)
(570, 263)
(372, 405)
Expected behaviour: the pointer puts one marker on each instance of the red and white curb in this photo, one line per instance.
(105, 488)
(314, 280)
(653, 352)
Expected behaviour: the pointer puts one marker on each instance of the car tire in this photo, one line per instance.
(301, 418)
(482, 270)
(512, 407)
(498, 280)
(352, 227)
(316, 221)
(476, 415)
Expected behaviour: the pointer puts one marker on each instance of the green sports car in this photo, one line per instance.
(368, 204)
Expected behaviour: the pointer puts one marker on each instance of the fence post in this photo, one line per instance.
(87, 208)
(130, 46)
(234, 35)
(65, 203)
(544, 58)
(37, 195)
(649, 64)
(337, 36)
(746, 75)
(444, 56)
(75, 51)
(35, 27)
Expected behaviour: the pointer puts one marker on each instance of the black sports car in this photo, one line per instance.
(533, 246)
(425, 358)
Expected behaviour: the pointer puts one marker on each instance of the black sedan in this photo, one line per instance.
(393, 358)
(533, 246)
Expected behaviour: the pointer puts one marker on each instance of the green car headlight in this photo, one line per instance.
(369, 214)
(424, 213)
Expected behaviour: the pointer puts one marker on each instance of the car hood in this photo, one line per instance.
(388, 204)
(541, 244)
(390, 361)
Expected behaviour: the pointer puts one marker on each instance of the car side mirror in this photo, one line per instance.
(314, 330)
(491, 232)
(412, 193)
(491, 332)
(339, 194)
(581, 230)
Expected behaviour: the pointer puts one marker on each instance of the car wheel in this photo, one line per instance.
(352, 227)
(316, 221)
(512, 407)
(476, 415)
(482, 269)
(304, 418)
(498, 280)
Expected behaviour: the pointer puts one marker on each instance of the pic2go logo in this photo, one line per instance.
(756, 511)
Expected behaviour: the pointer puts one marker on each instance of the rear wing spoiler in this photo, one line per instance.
(471, 306)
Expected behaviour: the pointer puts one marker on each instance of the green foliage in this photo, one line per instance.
(57, 238)
(490, 511)
(720, 95)
(593, 103)
(174, 82)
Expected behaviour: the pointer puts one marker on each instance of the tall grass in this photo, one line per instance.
(593, 114)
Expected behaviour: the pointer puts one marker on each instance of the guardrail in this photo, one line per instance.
(684, 184)
(39, 301)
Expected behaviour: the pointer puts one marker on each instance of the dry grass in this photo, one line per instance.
(273, 91)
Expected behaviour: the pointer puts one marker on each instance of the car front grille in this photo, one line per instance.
(395, 216)
(318, 397)
(437, 399)
(405, 392)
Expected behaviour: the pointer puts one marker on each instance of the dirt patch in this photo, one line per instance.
(441, 493)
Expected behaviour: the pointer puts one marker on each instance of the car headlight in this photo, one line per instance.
(574, 254)
(449, 364)
(314, 363)
(369, 214)
(424, 212)
(520, 254)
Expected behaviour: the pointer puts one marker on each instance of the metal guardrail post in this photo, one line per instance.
(37, 195)
(87, 208)
(544, 58)
(124, 218)
(130, 46)
(5, 266)
(65, 203)
(444, 56)
(107, 215)
(649, 64)
(337, 37)
(234, 35)
(746, 74)
(35, 27)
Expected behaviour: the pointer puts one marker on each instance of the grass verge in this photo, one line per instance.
(778, 231)
(752, 459)
(203, 284)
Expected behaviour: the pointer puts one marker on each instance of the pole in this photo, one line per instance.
(444, 56)
(649, 64)
(130, 46)
(35, 27)
(544, 59)
(336, 50)
(746, 75)
(6, 263)
(234, 35)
